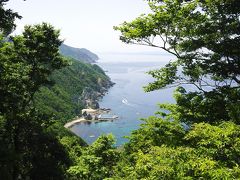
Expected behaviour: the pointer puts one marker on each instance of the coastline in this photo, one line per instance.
(96, 115)
(73, 122)
(90, 99)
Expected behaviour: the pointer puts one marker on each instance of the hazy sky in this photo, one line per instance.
(84, 23)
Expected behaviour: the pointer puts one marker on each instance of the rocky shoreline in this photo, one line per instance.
(90, 97)
(93, 113)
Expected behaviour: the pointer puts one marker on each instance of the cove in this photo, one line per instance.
(127, 98)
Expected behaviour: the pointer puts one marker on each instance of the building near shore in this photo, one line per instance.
(98, 114)
(90, 114)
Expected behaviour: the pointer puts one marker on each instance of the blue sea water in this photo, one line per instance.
(127, 98)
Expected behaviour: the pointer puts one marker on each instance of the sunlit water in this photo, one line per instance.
(127, 98)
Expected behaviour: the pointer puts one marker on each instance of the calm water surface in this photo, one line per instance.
(127, 98)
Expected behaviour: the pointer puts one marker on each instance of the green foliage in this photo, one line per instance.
(204, 37)
(204, 151)
(25, 65)
(220, 142)
(155, 132)
(165, 76)
(28, 150)
(73, 146)
(198, 137)
(212, 107)
(55, 102)
(34, 144)
(7, 19)
(38, 47)
(97, 160)
(62, 100)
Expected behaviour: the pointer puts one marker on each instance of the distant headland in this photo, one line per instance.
(80, 54)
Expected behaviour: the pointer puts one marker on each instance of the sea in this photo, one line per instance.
(127, 98)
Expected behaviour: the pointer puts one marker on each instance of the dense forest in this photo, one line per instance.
(198, 137)
(63, 99)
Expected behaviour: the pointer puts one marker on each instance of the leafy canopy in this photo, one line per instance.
(29, 150)
(204, 38)
(198, 137)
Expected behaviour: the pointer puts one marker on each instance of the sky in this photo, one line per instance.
(84, 23)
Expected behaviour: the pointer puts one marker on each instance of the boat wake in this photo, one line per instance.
(125, 101)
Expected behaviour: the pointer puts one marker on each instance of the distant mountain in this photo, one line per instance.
(80, 54)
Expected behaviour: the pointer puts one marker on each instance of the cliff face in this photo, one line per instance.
(80, 54)
(89, 97)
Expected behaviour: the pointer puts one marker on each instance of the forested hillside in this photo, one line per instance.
(63, 100)
(80, 54)
(198, 137)
(39, 90)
